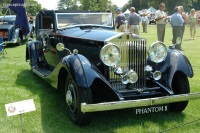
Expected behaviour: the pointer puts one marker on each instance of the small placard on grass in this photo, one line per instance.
(20, 107)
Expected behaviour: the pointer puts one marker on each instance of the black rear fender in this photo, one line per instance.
(34, 52)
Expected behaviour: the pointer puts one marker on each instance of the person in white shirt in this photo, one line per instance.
(161, 17)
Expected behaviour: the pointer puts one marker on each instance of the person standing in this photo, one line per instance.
(193, 23)
(133, 21)
(120, 20)
(160, 17)
(185, 18)
(177, 26)
(145, 22)
(198, 19)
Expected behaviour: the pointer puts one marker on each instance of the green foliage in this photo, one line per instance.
(32, 7)
(89, 5)
(0, 10)
(67, 4)
(18, 83)
(196, 4)
(95, 5)
(138, 4)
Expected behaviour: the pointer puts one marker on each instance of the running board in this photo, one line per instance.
(138, 103)
(43, 72)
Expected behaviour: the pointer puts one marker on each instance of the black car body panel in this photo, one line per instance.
(178, 62)
(77, 58)
(90, 34)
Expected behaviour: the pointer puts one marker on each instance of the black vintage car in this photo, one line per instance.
(99, 69)
(11, 33)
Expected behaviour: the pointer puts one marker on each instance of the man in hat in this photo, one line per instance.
(120, 20)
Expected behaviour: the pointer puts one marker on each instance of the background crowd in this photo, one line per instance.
(178, 20)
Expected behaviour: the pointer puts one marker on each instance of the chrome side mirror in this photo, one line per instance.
(178, 41)
(60, 46)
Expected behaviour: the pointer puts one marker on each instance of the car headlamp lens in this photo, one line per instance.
(125, 79)
(110, 55)
(132, 76)
(157, 52)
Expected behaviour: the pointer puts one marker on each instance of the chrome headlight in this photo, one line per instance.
(157, 52)
(129, 77)
(110, 54)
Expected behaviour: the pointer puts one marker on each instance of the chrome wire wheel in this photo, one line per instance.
(71, 98)
(74, 96)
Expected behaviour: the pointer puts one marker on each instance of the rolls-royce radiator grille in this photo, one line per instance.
(133, 56)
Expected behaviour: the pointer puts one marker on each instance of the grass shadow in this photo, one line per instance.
(54, 116)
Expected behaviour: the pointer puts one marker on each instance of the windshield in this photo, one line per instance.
(69, 19)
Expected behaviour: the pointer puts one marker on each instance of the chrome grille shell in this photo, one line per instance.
(133, 56)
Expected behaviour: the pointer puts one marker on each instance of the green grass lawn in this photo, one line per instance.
(18, 83)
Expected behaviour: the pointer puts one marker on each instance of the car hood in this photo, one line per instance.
(5, 26)
(97, 34)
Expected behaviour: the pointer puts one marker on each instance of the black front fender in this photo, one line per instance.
(81, 70)
(178, 63)
(86, 75)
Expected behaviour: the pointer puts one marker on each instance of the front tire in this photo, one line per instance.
(180, 85)
(74, 96)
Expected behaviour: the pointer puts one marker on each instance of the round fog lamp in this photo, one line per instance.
(157, 75)
(132, 76)
(125, 79)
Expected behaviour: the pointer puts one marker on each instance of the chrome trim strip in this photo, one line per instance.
(138, 103)
(115, 36)
(8, 42)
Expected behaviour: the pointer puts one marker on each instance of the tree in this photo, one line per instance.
(1, 10)
(95, 5)
(196, 4)
(103, 5)
(138, 4)
(67, 4)
(89, 5)
(32, 7)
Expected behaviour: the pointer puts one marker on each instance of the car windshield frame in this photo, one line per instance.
(96, 19)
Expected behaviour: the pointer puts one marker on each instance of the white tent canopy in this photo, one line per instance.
(127, 11)
(151, 10)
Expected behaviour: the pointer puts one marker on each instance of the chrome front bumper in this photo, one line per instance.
(138, 103)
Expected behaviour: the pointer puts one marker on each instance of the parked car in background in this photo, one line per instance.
(98, 69)
(152, 18)
(11, 33)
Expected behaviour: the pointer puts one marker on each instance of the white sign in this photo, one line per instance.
(20, 107)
